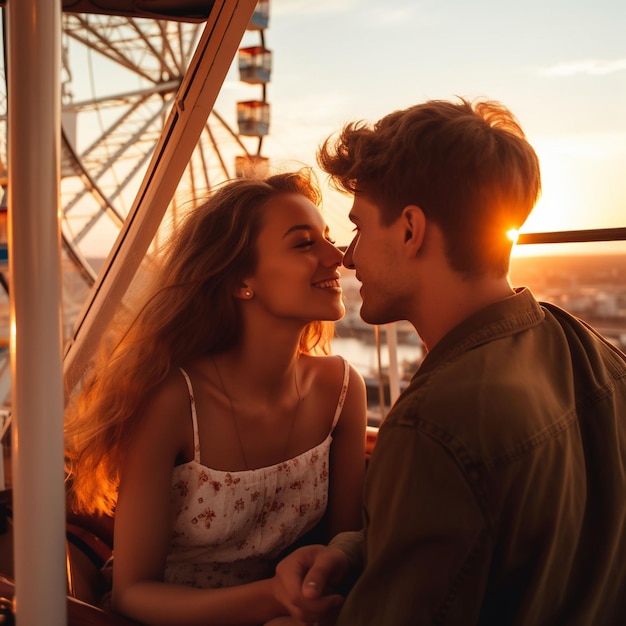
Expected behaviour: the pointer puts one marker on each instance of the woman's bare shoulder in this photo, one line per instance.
(331, 368)
(168, 407)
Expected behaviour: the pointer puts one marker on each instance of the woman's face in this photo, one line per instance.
(296, 276)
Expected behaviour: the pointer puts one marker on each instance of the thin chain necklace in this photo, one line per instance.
(236, 422)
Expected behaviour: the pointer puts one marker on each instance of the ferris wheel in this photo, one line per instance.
(120, 77)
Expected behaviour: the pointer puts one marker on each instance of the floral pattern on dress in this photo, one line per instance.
(240, 527)
(230, 526)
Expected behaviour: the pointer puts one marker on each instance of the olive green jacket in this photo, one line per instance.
(497, 490)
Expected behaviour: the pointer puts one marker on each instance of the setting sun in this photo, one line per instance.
(513, 234)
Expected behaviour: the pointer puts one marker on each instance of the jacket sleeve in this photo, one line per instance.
(427, 547)
(351, 543)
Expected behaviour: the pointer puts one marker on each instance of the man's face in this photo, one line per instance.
(375, 254)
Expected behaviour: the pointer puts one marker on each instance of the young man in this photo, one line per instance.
(497, 490)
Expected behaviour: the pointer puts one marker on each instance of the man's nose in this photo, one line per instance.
(347, 256)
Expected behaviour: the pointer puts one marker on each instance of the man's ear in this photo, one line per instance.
(413, 223)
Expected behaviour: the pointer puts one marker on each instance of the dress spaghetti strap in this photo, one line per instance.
(342, 395)
(194, 417)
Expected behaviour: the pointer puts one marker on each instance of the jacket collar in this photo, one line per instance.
(509, 316)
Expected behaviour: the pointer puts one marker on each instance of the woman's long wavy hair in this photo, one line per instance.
(189, 312)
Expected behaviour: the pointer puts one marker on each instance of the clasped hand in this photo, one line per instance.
(306, 580)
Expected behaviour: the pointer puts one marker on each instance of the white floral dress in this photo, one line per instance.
(230, 526)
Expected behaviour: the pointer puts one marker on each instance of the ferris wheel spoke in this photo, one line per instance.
(142, 146)
(151, 49)
(122, 140)
(211, 138)
(71, 162)
(105, 152)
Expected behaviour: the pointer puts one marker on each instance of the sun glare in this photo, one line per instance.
(513, 234)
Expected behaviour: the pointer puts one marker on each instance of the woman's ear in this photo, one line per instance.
(244, 292)
(413, 223)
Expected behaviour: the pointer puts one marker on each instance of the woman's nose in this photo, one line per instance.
(334, 255)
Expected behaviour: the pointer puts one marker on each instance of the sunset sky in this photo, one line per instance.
(559, 65)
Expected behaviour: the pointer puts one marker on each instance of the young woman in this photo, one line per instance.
(219, 430)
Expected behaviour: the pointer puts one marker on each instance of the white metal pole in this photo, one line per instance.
(34, 114)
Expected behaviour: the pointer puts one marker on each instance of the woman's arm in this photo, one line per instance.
(347, 460)
(143, 521)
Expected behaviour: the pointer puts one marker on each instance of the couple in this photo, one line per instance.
(497, 490)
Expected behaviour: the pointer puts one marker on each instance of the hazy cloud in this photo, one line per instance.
(303, 7)
(589, 66)
(387, 15)
(594, 146)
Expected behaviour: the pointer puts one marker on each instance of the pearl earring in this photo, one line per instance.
(248, 293)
